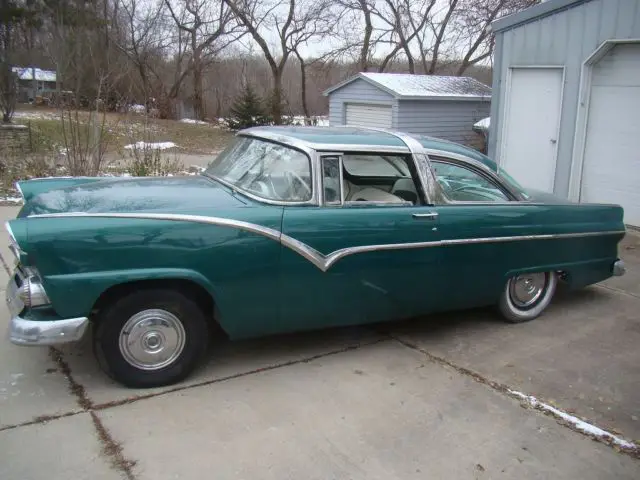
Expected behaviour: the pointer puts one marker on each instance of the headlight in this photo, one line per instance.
(32, 292)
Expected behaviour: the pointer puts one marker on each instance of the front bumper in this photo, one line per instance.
(25, 331)
(46, 332)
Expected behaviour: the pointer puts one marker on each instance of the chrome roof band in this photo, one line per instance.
(318, 259)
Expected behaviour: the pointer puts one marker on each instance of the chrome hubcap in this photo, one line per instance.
(152, 339)
(525, 290)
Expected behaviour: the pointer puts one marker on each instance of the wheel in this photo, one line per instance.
(526, 296)
(151, 338)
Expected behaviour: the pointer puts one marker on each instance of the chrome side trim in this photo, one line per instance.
(351, 147)
(12, 237)
(19, 188)
(323, 262)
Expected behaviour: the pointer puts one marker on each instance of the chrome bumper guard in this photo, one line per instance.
(23, 331)
(46, 332)
(619, 268)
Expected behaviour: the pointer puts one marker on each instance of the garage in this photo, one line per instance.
(611, 170)
(368, 115)
(566, 100)
(439, 106)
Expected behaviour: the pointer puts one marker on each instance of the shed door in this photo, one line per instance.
(361, 115)
(611, 169)
(530, 132)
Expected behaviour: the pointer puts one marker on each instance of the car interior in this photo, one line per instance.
(383, 178)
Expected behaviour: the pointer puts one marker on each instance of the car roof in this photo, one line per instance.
(323, 138)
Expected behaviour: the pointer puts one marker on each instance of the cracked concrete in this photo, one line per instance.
(421, 399)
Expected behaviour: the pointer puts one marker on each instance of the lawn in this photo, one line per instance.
(120, 130)
(132, 145)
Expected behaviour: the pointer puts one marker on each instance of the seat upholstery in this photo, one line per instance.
(371, 194)
(405, 188)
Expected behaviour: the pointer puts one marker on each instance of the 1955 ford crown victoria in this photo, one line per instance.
(290, 228)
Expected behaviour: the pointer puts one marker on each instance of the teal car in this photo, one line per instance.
(289, 229)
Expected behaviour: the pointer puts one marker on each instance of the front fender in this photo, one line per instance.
(30, 188)
(75, 294)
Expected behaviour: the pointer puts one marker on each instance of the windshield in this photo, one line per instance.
(269, 170)
(512, 183)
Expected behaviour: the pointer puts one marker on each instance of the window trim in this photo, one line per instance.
(321, 158)
(512, 199)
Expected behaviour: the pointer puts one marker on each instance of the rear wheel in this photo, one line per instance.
(151, 338)
(527, 295)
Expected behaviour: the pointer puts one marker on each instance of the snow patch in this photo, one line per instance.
(575, 421)
(193, 121)
(483, 124)
(150, 145)
(36, 115)
(425, 86)
(137, 108)
(11, 199)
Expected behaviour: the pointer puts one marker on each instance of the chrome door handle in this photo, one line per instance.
(428, 216)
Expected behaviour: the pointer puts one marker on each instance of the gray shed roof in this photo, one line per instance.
(26, 73)
(533, 13)
(422, 87)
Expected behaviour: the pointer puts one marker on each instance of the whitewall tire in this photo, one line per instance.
(527, 295)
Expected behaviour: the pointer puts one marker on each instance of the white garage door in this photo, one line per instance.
(611, 169)
(361, 115)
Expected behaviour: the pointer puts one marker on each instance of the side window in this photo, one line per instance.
(331, 180)
(465, 185)
(381, 178)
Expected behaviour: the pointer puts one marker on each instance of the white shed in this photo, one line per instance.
(439, 106)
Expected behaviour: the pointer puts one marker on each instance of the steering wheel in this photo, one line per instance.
(475, 190)
(291, 176)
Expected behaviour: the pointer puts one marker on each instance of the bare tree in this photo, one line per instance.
(437, 28)
(473, 21)
(358, 29)
(294, 22)
(210, 28)
(406, 19)
(142, 37)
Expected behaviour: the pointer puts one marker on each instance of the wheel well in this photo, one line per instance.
(187, 287)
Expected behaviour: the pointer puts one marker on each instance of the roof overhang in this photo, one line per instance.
(531, 14)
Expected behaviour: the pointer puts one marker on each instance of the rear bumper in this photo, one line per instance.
(619, 268)
(46, 332)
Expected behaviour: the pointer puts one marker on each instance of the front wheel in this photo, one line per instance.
(151, 338)
(527, 295)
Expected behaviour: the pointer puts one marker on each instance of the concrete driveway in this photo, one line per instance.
(441, 397)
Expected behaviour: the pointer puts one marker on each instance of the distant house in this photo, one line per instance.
(444, 107)
(565, 116)
(33, 82)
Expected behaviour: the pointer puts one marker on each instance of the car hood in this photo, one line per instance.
(140, 194)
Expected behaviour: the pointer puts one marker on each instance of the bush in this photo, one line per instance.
(247, 110)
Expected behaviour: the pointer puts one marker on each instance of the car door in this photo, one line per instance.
(364, 254)
(479, 223)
